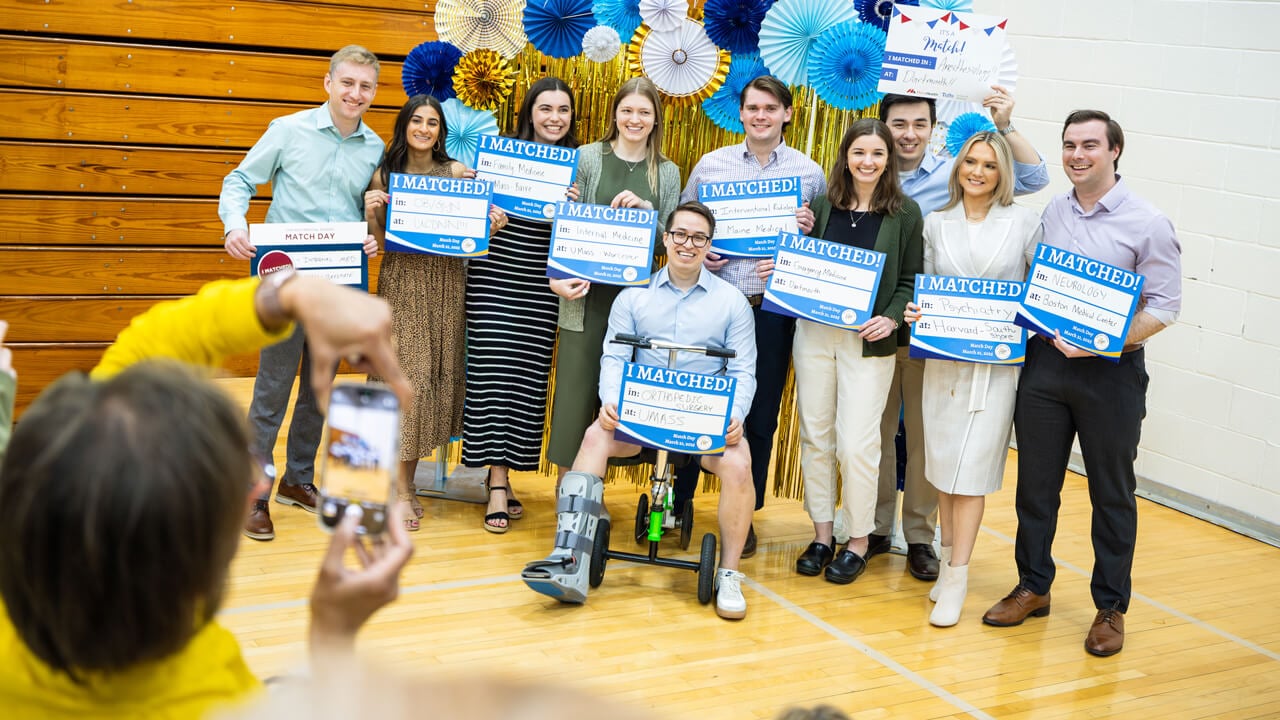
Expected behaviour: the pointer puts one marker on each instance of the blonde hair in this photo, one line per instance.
(1003, 193)
(356, 55)
(645, 88)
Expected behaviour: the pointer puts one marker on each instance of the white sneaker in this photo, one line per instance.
(730, 604)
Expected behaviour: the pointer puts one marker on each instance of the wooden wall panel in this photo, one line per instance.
(113, 271)
(50, 167)
(85, 117)
(84, 220)
(93, 66)
(257, 23)
(72, 318)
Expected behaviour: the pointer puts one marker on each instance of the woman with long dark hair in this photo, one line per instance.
(843, 376)
(511, 327)
(426, 294)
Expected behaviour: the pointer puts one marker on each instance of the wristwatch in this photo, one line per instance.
(271, 312)
(1006, 130)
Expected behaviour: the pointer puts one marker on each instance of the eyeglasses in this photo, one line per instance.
(681, 237)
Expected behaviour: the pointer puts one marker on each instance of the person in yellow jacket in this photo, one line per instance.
(122, 494)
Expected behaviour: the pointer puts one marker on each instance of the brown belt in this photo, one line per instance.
(755, 300)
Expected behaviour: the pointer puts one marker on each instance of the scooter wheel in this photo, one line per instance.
(686, 524)
(642, 519)
(707, 569)
(598, 557)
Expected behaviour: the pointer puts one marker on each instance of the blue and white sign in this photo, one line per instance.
(968, 319)
(1090, 303)
(826, 282)
(440, 216)
(674, 410)
(935, 53)
(750, 214)
(602, 244)
(528, 178)
(333, 251)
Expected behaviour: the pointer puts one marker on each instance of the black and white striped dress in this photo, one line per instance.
(511, 330)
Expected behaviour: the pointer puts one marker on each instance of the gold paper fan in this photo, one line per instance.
(483, 80)
(685, 65)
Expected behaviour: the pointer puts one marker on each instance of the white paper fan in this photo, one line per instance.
(683, 61)
(664, 15)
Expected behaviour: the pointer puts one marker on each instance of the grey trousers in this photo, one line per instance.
(278, 365)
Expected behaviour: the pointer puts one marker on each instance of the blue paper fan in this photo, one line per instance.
(466, 125)
(965, 127)
(789, 30)
(428, 69)
(964, 6)
(875, 12)
(844, 65)
(735, 24)
(722, 108)
(556, 27)
(621, 15)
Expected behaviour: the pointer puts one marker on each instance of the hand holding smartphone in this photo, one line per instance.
(361, 454)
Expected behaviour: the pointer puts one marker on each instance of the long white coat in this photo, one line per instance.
(968, 407)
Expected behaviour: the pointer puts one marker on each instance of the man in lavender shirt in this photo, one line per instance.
(1065, 391)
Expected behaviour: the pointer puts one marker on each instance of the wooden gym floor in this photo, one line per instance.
(1203, 627)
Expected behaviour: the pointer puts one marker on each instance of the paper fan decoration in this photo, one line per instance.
(684, 63)
(788, 33)
(601, 44)
(844, 65)
(965, 127)
(1007, 72)
(621, 15)
(964, 6)
(875, 12)
(735, 24)
(465, 128)
(724, 105)
(664, 15)
(947, 111)
(483, 80)
(428, 70)
(474, 24)
(556, 27)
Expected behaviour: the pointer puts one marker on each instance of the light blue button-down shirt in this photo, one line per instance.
(316, 175)
(711, 313)
(927, 184)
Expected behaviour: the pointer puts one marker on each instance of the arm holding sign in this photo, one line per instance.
(1030, 172)
(258, 167)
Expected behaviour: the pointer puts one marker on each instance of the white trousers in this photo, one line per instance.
(840, 396)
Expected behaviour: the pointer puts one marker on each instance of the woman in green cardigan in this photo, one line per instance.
(843, 376)
(625, 169)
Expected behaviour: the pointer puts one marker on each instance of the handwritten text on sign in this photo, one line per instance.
(942, 54)
(1090, 303)
(750, 214)
(827, 282)
(602, 244)
(969, 319)
(528, 178)
(674, 410)
(441, 216)
(333, 251)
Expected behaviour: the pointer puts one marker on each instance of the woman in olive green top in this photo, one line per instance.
(625, 169)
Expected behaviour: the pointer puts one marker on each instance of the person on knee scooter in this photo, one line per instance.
(684, 304)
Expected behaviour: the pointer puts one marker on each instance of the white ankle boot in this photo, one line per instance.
(944, 559)
(951, 597)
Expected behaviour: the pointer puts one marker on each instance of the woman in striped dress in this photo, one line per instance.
(511, 327)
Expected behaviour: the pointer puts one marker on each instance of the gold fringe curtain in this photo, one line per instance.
(688, 135)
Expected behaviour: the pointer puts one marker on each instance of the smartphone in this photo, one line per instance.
(361, 455)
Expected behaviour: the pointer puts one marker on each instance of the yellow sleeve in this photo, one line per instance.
(202, 329)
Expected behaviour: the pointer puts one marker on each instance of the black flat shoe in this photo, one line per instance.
(846, 568)
(815, 557)
(877, 545)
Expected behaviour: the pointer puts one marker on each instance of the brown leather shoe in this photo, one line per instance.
(1017, 606)
(258, 525)
(1106, 637)
(921, 562)
(304, 496)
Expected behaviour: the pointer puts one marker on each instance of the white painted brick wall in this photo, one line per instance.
(1196, 85)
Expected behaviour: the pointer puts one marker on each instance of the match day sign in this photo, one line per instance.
(826, 282)
(602, 244)
(968, 319)
(528, 178)
(440, 216)
(942, 54)
(674, 410)
(1090, 303)
(750, 214)
(333, 251)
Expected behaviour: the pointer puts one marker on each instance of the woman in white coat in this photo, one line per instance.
(968, 407)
